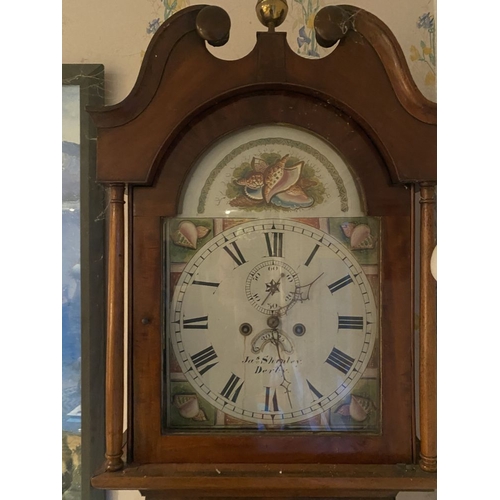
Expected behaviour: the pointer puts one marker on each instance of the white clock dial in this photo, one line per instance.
(273, 321)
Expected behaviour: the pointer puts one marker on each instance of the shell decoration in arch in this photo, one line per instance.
(274, 182)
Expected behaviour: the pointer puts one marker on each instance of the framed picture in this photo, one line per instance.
(83, 285)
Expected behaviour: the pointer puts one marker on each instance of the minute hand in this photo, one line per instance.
(301, 294)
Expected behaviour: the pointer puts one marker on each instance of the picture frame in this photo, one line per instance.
(84, 204)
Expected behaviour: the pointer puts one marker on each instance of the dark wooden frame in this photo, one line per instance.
(183, 105)
(151, 204)
(90, 80)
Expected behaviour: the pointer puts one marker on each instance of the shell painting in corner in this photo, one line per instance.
(188, 234)
(360, 236)
(189, 407)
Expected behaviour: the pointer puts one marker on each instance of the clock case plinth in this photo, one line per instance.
(164, 481)
(362, 100)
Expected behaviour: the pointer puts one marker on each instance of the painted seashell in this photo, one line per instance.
(187, 234)
(259, 165)
(254, 181)
(347, 228)
(295, 197)
(244, 201)
(361, 237)
(360, 408)
(273, 176)
(188, 405)
(306, 183)
(202, 231)
(281, 162)
(343, 410)
(201, 417)
(279, 178)
(254, 194)
(180, 240)
(188, 230)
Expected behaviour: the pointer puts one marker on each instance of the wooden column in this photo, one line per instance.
(115, 330)
(428, 336)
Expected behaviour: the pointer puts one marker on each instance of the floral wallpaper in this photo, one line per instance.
(303, 13)
(426, 53)
(421, 54)
(164, 9)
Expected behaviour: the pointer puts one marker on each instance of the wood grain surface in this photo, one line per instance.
(362, 101)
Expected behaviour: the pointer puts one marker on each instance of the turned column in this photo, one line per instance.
(115, 329)
(428, 336)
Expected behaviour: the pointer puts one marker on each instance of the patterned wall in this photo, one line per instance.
(419, 44)
(121, 30)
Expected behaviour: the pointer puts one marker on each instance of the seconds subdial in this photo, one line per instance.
(271, 286)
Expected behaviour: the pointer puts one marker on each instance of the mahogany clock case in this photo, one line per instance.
(360, 100)
(392, 204)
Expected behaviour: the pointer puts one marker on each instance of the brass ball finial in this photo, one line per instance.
(271, 13)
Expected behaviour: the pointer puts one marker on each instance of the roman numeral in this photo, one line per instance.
(351, 322)
(271, 401)
(274, 244)
(340, 360)
(337, 285)
(231, 389)
(313, 253)
(314, 390)
(202, 358)
(239, 259)
(196, 323)
(205, 283)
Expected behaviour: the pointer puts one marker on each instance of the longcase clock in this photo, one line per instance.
(272, 233)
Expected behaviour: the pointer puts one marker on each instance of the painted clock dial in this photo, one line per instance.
(272, 322)
(271, 283)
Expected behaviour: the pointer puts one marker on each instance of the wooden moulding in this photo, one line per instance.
(115, 330)
(271, 480)
(385, 44)
(332, 24)
(339, 495)
(428, 333)
(180, 75)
